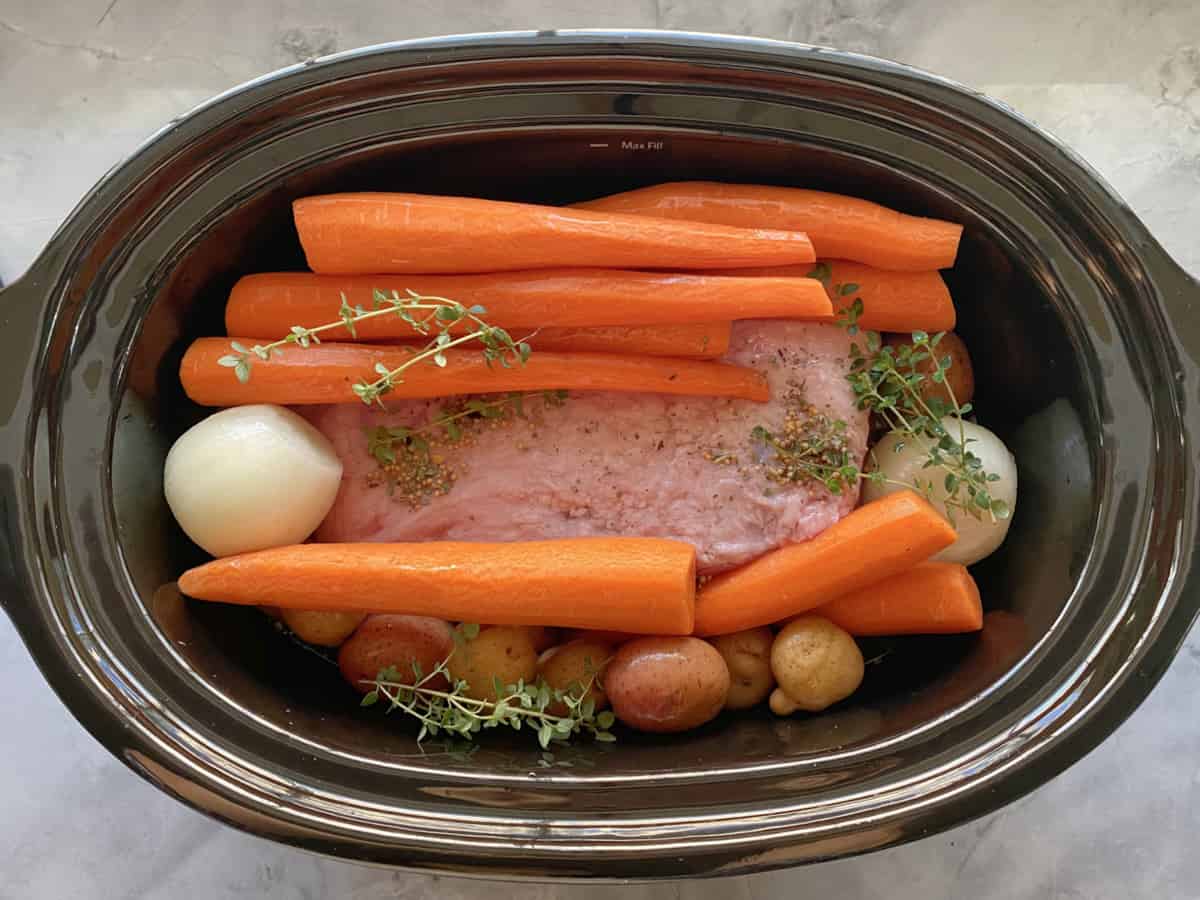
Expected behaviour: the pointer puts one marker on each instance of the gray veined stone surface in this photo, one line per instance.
(82, 83)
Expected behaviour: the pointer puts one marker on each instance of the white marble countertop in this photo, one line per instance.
(82, 83)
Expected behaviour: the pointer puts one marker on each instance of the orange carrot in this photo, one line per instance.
(873, 542)
(702, 340)
(892, 301)
(932, 598)
(840, 227)
(326, 373)
(347, 234)
(640, 585)
(268, 305)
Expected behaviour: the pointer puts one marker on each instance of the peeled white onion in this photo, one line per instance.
(249, 478)
(977, 538)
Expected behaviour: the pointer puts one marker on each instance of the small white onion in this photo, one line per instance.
(249, 478)
(901, 459)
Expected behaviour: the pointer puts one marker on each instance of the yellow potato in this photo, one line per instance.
(960, 376)
(666, 684)
(325, 629)
(504, 652)
(816, 664)
(570, 666)
(747, 655)
(543, 637)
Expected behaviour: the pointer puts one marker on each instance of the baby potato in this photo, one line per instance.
(612, 638)
(249, 478)
(816, 664)
(666, 684)
(572, 665)
(321, 627)
(503, 652)
(747, 655)
(543, 636)
(395, 640)
(903, 460)
(960, 377)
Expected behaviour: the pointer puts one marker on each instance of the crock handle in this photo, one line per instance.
(20, 322)
(1180, 292)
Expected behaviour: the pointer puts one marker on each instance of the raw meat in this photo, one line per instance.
(612, 464)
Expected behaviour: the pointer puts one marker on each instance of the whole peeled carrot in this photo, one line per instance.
(873, 542)
(932, 598)
(630, 584)
(702, 340)
(892, 301)
(839, 227)
(347, 234)
(326, 373)
(268, 305)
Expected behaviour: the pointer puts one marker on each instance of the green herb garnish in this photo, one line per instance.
(428, 316)
(517, 706)
(811, 447)
(886, 382)
(824, 274)
(408, 463)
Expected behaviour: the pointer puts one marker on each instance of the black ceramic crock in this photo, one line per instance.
(1085, 337)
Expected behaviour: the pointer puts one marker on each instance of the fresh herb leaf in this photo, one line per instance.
(886, 382)
(408, 465)
(518, 706)
(426, 315)
(821, 272)
(808, 447)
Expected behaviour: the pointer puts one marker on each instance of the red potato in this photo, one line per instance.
(666, 684)
(395, 640)
(572, 665)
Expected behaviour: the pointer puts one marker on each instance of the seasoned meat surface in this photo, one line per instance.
(610, 463)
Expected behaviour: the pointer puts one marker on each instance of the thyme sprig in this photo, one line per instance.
(517, 706)
(429, 316)
(824, 274)
(383, 442)
(886, 382)
(814, 449)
